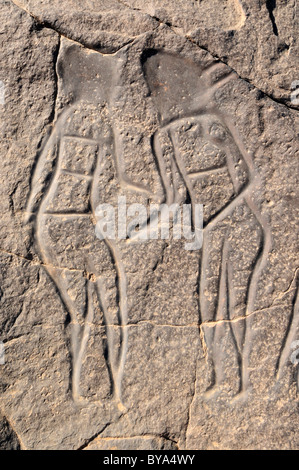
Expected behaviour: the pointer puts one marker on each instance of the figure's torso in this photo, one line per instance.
(85, 141)
(202, 163)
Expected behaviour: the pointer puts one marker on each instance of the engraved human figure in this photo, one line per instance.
(202, 160)
(89, 170)
(89, 273)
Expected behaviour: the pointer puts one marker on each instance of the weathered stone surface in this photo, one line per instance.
(258, 39)
(146, 345)
(100, 25)
(8, 438)
(132, 443)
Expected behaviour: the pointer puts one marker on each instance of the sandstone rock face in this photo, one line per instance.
(144, 344)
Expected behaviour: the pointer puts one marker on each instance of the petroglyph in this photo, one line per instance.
(135, 342)
(197, 152)
(65, 222)
(208, 155)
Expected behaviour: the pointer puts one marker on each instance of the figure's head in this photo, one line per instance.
(87, 75)
(179, 86)
(183, 94)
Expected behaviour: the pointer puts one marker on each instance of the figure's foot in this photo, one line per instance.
(212, 393)
(80, 401)
(122, 407)
(241, 397)
(224, 392)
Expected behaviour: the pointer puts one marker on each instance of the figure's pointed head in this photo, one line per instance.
(178, 86)
(86, 74)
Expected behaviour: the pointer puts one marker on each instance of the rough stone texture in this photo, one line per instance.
(8, 438)
(125, 345)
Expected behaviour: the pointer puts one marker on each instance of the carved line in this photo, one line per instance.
(209, 171)
(77, 174)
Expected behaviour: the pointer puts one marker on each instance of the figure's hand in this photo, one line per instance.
(28, 216)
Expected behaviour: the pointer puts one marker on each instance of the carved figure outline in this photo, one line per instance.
(72, 196)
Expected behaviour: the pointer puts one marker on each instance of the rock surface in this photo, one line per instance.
(120, 344)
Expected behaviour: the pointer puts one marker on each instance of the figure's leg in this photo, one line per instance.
(60, 241)
(88, 368)
(221, 324)
(223, 334)
(262, 249)
(84, 337)
(237, 325)
(243, 274)
(112, 298)
(223, 348)
(64, 282)
(209, 297)
(111, 324)
(122, 317)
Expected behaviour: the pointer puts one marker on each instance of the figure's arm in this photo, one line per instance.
(44, 164)
(41, 171)
(124, 181)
